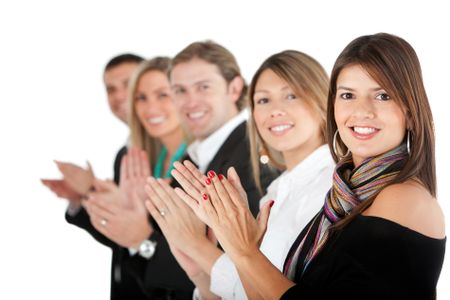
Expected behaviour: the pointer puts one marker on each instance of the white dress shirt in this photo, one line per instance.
(299, 194)
(203, 152)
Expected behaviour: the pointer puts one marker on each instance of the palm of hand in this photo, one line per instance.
(78, 179)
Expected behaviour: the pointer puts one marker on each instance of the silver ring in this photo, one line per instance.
(163, 212)
(103, 222)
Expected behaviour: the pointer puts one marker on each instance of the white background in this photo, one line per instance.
(53, 104)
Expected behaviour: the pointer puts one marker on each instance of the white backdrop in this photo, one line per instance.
(53, 104)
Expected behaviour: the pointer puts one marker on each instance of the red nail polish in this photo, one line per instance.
(211, 174)
(220, 176)
(205, 196)
(271, 203)
(208, 181)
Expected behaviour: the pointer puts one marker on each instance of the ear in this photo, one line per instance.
(409, 121)
(235, 88)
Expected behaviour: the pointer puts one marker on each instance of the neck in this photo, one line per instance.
(172, 141)
(233, 113)
(295, 156)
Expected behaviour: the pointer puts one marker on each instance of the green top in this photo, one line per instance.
(157, 171)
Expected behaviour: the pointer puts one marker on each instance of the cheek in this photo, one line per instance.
(258, 117)
(140, 109)
(340, 115)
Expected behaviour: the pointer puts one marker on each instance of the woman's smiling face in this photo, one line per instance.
(369, 121)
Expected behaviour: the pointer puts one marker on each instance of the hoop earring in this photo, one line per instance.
(335, 147)
(408, 141)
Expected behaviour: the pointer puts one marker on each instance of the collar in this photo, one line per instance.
(306, 170)
(203, 152)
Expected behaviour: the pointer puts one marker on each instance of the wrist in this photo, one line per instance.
(147, 233)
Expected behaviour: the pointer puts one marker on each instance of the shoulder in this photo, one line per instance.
(411, 205)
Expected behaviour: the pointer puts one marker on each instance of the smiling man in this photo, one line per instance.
(210, 93)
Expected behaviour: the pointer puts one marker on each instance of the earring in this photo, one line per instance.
(263, 157)
(408, 141)
(335, 146)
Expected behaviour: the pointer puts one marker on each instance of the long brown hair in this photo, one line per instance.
(394, 65)
(308, 80)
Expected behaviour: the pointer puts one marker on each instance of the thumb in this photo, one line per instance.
(235, 181)
(263, 218)
(89, 168)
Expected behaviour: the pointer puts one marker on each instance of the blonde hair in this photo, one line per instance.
(308, 80)
(139, 136)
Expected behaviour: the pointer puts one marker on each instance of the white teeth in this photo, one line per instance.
(196, 115)
(280, 128)
(364, 130)
(156, 120)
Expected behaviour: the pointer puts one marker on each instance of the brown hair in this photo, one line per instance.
(139, 136)
(215, 54)
(308, 80)
(392, 63)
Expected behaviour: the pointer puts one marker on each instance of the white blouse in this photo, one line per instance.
(299, 194)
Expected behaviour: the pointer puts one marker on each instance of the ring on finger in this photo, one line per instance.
(163, 212)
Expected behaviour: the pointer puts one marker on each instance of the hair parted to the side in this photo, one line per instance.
(394, 65)
(139, 136)
(218, 55)
(122, 59)
(309, 81)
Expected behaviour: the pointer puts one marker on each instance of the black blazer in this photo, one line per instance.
(235, 152)
(126, 276)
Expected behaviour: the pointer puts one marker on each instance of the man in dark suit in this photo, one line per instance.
(209, 93)
(116, 76)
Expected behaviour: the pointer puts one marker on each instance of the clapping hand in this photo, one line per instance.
(221, 203)
(77, 178)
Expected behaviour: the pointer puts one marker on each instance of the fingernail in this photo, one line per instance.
(208, 181)
(211, 174)
(271, 203)
(205, 196)
(220, 176)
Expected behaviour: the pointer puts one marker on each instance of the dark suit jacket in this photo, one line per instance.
(126, 277)
(235, 152)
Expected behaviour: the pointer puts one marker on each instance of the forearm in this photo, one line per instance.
(260, 277)
(205, 254)
(202, 282)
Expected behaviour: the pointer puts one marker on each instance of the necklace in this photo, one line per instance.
(157, 171)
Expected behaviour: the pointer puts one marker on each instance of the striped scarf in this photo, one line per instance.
(350, 188)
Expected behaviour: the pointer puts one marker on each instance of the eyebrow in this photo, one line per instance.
(202, 81)
(266, 91)
(375, 89)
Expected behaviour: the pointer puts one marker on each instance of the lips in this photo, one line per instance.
(156, 120)
(196, 115)
(364, 132)
(280, 129)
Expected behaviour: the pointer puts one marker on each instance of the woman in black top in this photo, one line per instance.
(380, 233)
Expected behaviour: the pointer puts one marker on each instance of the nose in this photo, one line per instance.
(121, 95)
(364, 109)
(277, 111)
(189, 100)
